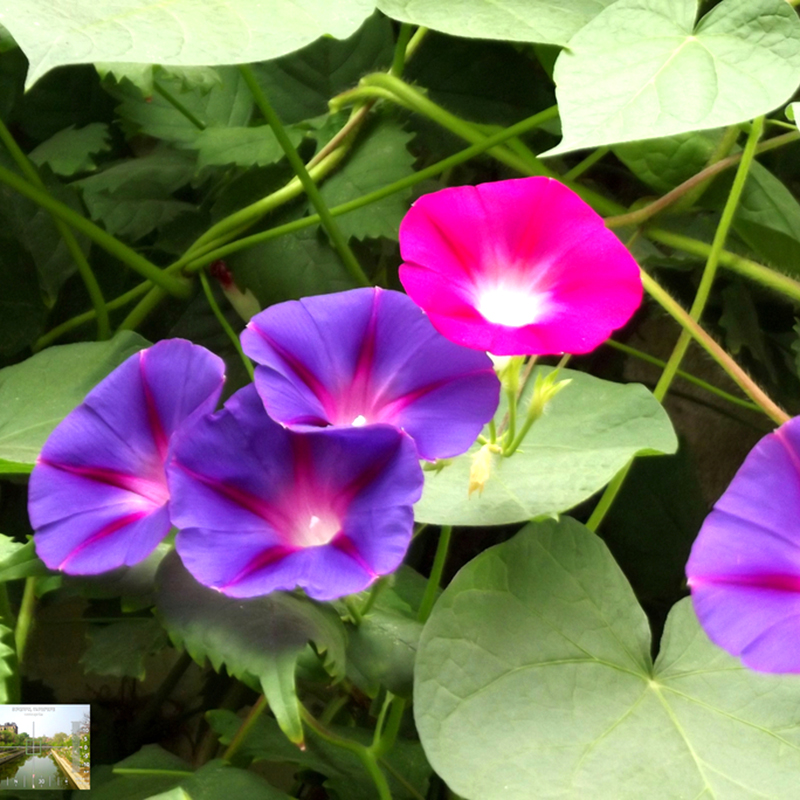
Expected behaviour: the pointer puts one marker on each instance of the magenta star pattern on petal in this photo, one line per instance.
(517, 267)
(98, 497)
(262, 508)
(744, 570)
(370, 356)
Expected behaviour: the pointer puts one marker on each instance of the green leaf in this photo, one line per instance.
(181, 33)
(226, 104)
(70, 151)
(258, 641)
(535, 669)
(290, 267)
(663, 75)
(38, 393)
(19, 561)
(22, 312)
(244, 147)
(300, 85)
(134, 197)
(345, 774)
(378, 160)
(589, 431)
(120, 649)
(514, 20)
(740, 321)
(143, 75)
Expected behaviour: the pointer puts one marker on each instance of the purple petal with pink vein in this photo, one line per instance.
(370, 356)
(98, 497)
(744, 570)
(262, 508)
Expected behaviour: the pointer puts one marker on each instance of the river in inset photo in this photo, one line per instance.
(32, 772)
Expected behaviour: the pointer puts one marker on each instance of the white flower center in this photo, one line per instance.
(359, 421)
(511, 306)
(316, 531)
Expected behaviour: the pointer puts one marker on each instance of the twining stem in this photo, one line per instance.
(691, 328)
(363, 754)
(224, 324)
(586, 164)
(632, 351)
(255, 712)
(81, 262)
(141, 310)
(328, 222)
(25, 617)
(109, 243)
(435, 579)
(384, 742)
(403, 38)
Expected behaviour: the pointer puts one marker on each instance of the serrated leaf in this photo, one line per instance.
(345, 774)
(300, 85)
(378, 160)
(535, 669)
(227, 104)
(662, 74)
(244, 147)
(143, 75)
(258, 640)
(19, 561)
(134, 197)
(121, 648)
(38, 393)
(514, 20)
(180, 33)
(589, 431)
(70, 151)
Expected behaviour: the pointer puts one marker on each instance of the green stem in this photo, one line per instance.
(250, 720)
(156, 702)
(362, 753)
(385, 742)
(142, 309)
(403, 38)
(88, 316)
(721, 393)
(756, 272)
(225, 325)
(586, 164)
(81, 262)
(109, 243)
(416, 41)
(12, 681)
(25, 617)
(435, 579)
(178, 106)
(608, 497)
(739, 376)
(374, 592)
(328, 222)
(424, 174)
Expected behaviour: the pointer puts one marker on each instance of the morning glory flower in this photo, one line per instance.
(517, 267)
(370, 356)
(262, 508)
(744, 570)
(98, 496)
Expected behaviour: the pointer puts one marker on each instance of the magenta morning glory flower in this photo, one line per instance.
(262, 508)
(517, 267)
(98, 496)
(744, 570)
(369, 356)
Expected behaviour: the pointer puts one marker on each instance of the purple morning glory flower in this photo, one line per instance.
(368, 356)
(262, 508)
(98, 496)
(744, 570)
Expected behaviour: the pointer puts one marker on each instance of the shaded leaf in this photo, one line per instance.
(662, 74)
(244, 147)
(121, 648)
(22, 312)
(258, 640)
(588, 433)
(535, 669)
(38, 393)
(19, 561)
(70, 151)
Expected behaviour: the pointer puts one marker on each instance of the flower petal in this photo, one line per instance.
(98, 494)
(517, 267)
(744, 569)
(397, 369)
(262, 508)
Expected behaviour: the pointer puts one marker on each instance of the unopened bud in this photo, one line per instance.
(481, 468)
(244, 302)
(544, 390)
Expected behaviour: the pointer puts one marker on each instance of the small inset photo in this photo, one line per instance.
(44, 747)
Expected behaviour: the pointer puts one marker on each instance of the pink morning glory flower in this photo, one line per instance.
(262, 508)
(517, 267)
(744, 569)
(98, 496)
(370, 356)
